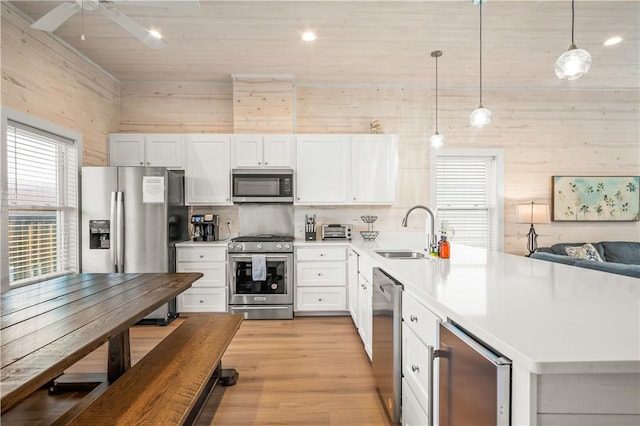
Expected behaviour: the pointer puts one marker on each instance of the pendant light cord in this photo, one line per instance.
(480, 52)
(573, 14)
(437, 93)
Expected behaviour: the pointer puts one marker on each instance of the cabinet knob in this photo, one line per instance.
(148, 163)
(415, 368)
(413, 318)
(201, 256)
(363, 286)
(141, 163)
(259, 163)
(319, 274)
(202, 301)
(298, 198)
(321, 254)
(319, 300)
(354, 198)
(265, 163)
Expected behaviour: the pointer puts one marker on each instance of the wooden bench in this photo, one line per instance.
(170, 384)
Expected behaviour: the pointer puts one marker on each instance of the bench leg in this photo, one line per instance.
(228, 377)
(119, 356)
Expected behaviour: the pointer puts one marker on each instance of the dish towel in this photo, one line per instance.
(259, 267)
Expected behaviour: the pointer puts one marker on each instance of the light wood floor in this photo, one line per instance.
(306, 371)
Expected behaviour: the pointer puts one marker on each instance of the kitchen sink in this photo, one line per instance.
(400, 254)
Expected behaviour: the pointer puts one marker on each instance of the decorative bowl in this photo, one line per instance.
(369, 219)
(369, 235)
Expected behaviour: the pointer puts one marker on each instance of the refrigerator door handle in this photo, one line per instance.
(114, 239)
(120, 232)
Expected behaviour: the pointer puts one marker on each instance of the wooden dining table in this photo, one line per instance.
(47, 327)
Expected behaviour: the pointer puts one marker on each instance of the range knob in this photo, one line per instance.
(278, 246)
(238, 247)
(287, 246)
(259, 246)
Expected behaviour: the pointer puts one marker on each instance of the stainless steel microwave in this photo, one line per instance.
(262, 185)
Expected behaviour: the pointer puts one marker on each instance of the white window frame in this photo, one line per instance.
(9, 114)
(498, 155)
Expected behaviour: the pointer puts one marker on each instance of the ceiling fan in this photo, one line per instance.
(57, 16)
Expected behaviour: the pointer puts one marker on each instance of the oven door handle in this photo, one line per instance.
(235, 257)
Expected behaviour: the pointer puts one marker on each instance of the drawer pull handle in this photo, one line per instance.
(413, 318)
(201, 256)
(319, 300)
(321, 254)
(319, 274)
(202, 301)
(415, 368)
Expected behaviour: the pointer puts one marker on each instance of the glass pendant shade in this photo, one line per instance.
(437, 140)
(573, 63)
(480, 117)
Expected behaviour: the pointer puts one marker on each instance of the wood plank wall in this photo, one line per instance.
(43, 78)
(263, 104)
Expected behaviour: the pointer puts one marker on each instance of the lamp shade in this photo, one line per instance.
(532, 213)
(573, 63)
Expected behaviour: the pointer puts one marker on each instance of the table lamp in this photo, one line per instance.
(532, 213)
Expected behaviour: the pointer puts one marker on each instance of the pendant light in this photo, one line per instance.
(437, 140)
(481, 116)
(574, 63)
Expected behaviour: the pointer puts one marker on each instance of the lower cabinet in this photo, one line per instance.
(209, 293)
(365, 304)
(321, 279)
(419, 331)
(412, 412)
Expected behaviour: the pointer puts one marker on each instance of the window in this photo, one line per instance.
(42, 204)
(467, 186)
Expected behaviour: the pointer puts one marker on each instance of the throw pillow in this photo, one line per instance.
(586, 252)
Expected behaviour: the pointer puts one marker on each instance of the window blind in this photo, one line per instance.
(42, 194)
(466, 196)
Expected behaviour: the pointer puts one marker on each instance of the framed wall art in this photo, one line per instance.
(596, 198)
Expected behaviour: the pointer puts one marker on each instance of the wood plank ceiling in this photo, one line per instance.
(362, 42)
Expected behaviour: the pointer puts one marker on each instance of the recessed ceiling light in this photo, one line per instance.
(612, 41)
(156, 34)
(308, 36)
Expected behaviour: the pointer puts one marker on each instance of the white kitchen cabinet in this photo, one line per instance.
(374, 168)
(419, 331)
(207, 169)
(209, 293)
(353, 285)
(322, 173)
(262, 151)
(150, 150)
(321, 279)
(365, 304)
(412, 412)
(346, 169)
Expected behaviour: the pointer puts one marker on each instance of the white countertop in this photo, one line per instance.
(545, 316)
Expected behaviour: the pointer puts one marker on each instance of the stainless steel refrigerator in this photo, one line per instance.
(131, 219)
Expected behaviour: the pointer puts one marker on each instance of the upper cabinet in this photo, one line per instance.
(346, 169)
(374, 168)
(153, 150)
(262, 151)
(322, 169)
(208, 172)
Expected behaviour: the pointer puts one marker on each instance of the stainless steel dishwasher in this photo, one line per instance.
(387, 340)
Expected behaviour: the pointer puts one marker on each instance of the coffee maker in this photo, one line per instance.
(205, 227)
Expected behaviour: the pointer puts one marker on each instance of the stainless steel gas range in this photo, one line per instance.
(261, 276)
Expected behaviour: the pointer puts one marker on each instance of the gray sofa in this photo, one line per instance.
(620, 257)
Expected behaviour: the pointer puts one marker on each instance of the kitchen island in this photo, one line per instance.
(573, 334)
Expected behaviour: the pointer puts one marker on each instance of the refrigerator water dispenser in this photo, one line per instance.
(99, 234)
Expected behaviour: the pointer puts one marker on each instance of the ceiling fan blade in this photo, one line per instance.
(133, 27)
(166, 4)
(56, 17)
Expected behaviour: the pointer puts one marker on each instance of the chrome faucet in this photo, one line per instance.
(432, 241)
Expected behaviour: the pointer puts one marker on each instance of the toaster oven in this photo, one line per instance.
(336, 232)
